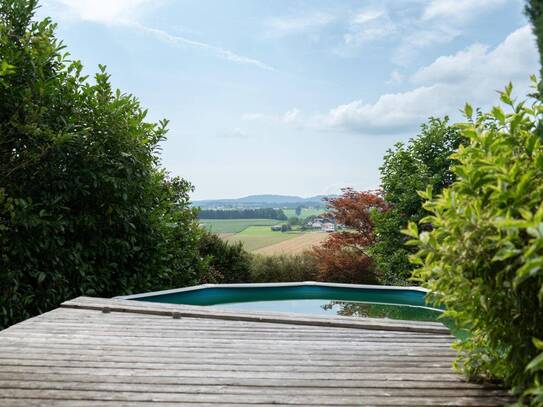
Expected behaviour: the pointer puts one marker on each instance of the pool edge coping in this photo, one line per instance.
(256, 285)
(177, 311)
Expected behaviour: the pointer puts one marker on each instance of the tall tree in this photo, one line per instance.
(408, 168)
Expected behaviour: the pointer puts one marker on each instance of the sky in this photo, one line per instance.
(297, 97)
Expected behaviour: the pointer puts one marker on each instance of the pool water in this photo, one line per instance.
(338, 308)
(307, 298)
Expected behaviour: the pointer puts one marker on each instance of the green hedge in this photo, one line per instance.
(484, 257)
(84, 207)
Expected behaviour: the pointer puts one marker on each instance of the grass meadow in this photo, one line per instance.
(235, 225)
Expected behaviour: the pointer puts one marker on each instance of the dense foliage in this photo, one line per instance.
(226, 262)
(343, 257)
(483, 259)
(284, 268)
(260, 213)
(534, 11)
(424, 161)
(84, 205)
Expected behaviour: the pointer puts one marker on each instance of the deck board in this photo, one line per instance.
(136, 354)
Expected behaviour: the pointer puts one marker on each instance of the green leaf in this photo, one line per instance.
(468, 111)
(498, 113)
(41, 277)
(537, 343)
(536, 363)
(411, 230)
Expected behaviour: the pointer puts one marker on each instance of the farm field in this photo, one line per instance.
(305, 212)
(257, 237)
(296, 245)
(223, 226)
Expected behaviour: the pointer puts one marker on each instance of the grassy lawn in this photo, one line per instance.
(305, 212)
(257, 237)
(234, 225)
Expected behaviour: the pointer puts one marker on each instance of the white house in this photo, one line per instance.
(328, 227)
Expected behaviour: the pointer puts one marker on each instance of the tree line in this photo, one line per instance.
(260, 213)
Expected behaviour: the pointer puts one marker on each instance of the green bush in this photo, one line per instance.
(424, 160)
(283, 268)
(84, 207)
(227, 262)
(484, 258)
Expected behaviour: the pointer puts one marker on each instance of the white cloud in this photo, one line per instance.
(279, 27)
(221, 52)
(457, 9)
(452, 68)
(395, 78)
(513, 59)
(128, 13)
(236, 133)
(412, 42)
(473, 75)
(104, 11)
(292, 116)
(391, 113)
(367, 16)
(369, 25)
(252, 116)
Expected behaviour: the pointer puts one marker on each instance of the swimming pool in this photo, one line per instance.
(323, 299)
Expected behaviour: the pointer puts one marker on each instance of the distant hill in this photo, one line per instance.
(264, 201)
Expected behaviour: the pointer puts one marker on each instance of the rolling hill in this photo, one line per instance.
(263, 201)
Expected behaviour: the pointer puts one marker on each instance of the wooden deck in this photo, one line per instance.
(110, 352)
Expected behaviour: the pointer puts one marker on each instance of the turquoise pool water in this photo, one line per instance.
(315, 299)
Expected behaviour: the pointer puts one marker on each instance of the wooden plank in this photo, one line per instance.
(248, 382)
(142, 338)
(250, 346)
(290, 399)
(124, 319)
(44, 347)
(186, 329)
(353, 352)
(213, 339)
(248, 366)
(239, 359)
(37, 402)
(270, 374)
(249, 390)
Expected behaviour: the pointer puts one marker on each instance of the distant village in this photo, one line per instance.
(315, 223)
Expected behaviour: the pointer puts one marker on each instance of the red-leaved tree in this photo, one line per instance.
(343, 256)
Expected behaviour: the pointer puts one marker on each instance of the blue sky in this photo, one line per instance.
(297, 97)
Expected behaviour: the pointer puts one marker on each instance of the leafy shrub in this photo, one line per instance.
(484, 258)
(283, 268)
(343, 257)
(226, 262)
(408, 168)
(84, 206)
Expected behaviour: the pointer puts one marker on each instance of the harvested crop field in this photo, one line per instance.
(296, 245)
(258, 237)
